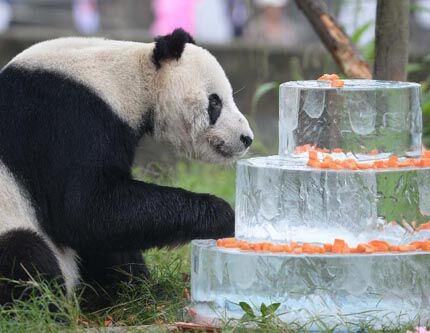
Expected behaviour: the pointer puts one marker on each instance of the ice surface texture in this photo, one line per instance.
(394, 288)
(361, 117)
(281, 200)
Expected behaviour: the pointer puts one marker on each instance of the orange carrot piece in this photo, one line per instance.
(392, 161)
(340, 246)
(266, 246)
(294, 245)
(394, 248)
(298, 250)
(418, 244)
(337, 83)
(335, 166)
(416, 162)
(339, 242)
(378, 242)
(407, 248)
(425, 162)
(230, 246)
(287, 248)
(424, 226)
(426, 153)
(324, 77)
(365, 248)
(381, 248)
(314, 164)
(404, 248)
(313, 155)
(277, 248)
(365, 166)
(328, 159)
(337, 249)
(405, 164)
(245, 247)
(380, 164)
(256, 246)
(309, 248)
(328, 247)
(426, 246)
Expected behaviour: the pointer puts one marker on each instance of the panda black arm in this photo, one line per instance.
(115, 213)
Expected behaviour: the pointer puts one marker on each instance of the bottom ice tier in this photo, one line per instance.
(381, 289)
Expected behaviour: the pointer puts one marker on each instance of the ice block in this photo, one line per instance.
(338, 290)
(281, 199)
(363, 117)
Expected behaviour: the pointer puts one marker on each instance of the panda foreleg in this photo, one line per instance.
(116, 214)
(107, 268)
(104, 272)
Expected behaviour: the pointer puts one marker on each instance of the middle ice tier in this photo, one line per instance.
(283, 200)
(365, 117)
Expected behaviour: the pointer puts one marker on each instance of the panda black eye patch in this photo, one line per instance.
(214, 108)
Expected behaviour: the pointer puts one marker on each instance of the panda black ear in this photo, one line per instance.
(170, 46)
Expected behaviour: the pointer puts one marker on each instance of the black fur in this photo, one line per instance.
(170, 46)
(73, 155)
(24, 256)
(105, 271)
(214, 108)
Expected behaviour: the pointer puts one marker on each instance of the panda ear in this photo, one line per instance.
(170, 46)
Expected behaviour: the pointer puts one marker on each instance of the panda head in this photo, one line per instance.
(195, 110)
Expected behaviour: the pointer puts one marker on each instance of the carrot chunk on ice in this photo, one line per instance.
(392, 161)
(314, 164)
(337, 83)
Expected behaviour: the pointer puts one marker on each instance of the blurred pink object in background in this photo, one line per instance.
(172, 14)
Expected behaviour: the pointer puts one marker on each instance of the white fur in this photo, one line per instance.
(17, 212)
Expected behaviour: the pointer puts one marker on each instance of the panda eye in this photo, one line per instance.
(214, 108)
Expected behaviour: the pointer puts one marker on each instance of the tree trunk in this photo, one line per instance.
(391, 40)
(335, 39)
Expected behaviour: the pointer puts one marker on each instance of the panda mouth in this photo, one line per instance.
(229, 154)
(220, 149)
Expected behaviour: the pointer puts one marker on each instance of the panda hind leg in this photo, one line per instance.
(103, 274)
(24, 256)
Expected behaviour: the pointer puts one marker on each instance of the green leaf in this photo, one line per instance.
(260, 92)
(271, 309)
(263, 309)
(247, 309)
(356, 36)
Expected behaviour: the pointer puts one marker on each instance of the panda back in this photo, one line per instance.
(111, 69)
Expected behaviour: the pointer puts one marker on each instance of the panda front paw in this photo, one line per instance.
(221, 222)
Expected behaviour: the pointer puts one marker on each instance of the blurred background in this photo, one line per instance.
(260, 43)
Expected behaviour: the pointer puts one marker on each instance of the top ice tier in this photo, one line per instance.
(365, 117)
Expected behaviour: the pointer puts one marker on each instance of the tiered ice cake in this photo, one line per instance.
(369, 182)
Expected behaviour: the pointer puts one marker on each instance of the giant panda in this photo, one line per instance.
(72, 111)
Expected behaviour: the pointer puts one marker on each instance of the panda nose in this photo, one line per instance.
(247, 140)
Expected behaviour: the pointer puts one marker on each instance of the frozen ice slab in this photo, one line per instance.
(381, 289)
(281, 200)
(362, 117)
